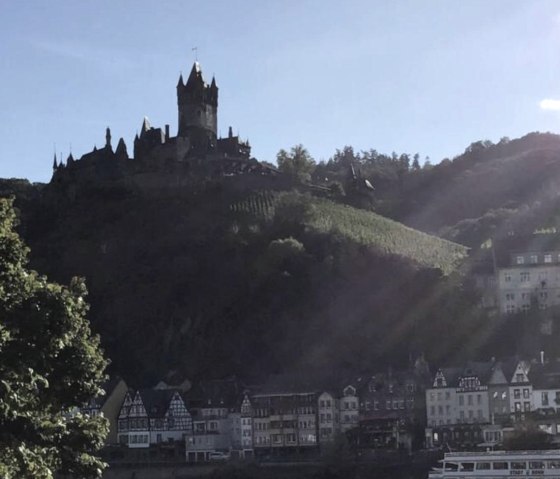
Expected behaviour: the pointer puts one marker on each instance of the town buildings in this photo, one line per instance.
(472, 406)
(479, 404)
(289, 415)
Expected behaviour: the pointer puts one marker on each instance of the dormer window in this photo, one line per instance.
(519, 260)
(548, 258)
(534, 259)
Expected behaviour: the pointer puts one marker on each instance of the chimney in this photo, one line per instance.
(166, 133)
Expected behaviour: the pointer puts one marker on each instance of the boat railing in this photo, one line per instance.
(547, 452)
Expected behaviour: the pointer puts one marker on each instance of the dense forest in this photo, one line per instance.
(250, 283)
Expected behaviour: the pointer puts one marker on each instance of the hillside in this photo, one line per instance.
(490, 189)
(365, 228)
(222, 282)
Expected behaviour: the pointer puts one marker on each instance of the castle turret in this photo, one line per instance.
(108, 139)
(121, 153)
(198, 110)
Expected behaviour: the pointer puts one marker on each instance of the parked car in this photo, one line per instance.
(219, 456)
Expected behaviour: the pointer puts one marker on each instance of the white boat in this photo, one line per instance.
(496, 464)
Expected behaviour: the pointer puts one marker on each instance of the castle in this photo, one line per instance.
(196, 151)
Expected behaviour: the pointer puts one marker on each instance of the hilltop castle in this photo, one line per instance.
(196, 151)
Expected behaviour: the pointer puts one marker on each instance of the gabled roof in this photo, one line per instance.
(108, 387)
(480, 369)
(215, 393)
(545, 376)
(156, 402)
(451, 376)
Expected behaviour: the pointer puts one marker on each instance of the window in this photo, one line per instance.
(479, 412)
(526, 393)
(483, 466)
(507, 277)
(548, 258)
(462, 415)
(525, 276)
(479, 398)
(387, 404)
(527, 406)
(519, 260)
(510, 296)
(469, 400)
(534, 259)
(517, 406)
(461, 400)
(447, 395)
(536, 465)
(518, 465)
(498, 466)
(543, 295)
(510, 308)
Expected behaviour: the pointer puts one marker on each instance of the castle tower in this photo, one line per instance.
(198, 110)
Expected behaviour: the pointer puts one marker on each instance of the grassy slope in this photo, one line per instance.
(362, 227)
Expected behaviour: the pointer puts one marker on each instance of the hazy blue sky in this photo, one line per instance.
(409, 76)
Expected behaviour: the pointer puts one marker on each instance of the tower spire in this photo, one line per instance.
(55, 164)
(108, 138)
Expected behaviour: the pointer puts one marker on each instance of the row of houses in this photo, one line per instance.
(477, 405)
(468, 407)
(290, 414)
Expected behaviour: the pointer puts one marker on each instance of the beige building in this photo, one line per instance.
(531, 279)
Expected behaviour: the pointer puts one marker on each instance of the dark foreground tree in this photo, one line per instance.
(50, 363)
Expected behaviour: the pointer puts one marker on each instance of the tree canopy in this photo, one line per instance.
(298, 163)
(50, 364)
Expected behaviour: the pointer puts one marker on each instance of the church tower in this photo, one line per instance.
(198, 110)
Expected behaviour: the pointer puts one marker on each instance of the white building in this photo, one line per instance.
(349, 412)
(520, 390)
(329, 418)
(531, 278)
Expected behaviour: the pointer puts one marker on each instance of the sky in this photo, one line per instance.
(406, 76)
